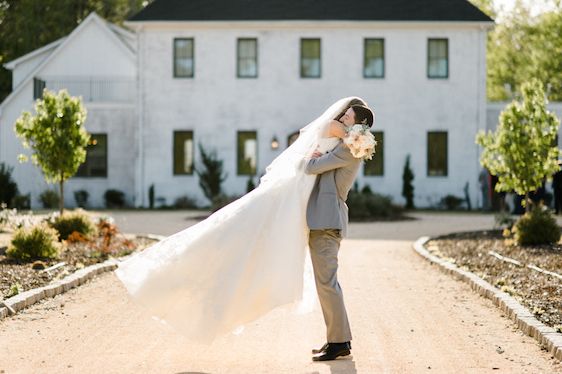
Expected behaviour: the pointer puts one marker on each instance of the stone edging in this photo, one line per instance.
(526, 322)
(22, 300)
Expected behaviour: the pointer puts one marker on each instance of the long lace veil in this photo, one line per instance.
(242, 261)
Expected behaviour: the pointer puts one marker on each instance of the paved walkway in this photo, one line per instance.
(406, 316)
(425, 223)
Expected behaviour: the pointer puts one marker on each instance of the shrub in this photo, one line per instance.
(22, 202)
(81, 198)
(537, 226)
(250, 185)
(407, 186)
(222, 200)
(49, 199)
(371, 206)
(185, 202)
(451, 202)
(70, 222)
(151, 196)
(8, 188)
(367, 190)
(114, 198)
(39, 241)
(210, 174)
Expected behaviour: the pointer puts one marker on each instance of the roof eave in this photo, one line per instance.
(10, 65)
(270, 23)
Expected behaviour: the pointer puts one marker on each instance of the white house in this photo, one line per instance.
(240, 76)
(97, 60)
(234, 74)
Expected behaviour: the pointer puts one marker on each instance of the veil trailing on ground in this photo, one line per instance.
(242, 261)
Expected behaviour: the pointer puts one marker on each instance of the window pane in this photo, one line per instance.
(38, 86)
(183, 152)
(310, 58)
(437, 153)
(291, 138)
(96, 157)
(376, 165)
(373, 64)
(247, 155)
(183, 58)
(247, 58)
(437, 58)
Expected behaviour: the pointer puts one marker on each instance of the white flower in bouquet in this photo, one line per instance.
(361, 141)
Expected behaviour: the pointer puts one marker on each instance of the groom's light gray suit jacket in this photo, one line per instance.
(336, 171)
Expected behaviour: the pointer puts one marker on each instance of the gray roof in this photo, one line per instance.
(318, 10)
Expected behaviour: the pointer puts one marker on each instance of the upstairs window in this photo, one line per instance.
(310, 58)
(183, 58)
(438, 58)
(247, 58)
(38, 86)
(373, 58)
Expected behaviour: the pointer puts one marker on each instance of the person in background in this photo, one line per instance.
(557, 189)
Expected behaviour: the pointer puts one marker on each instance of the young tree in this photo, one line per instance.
(57, 136)
(521, 151)
(522, 47)
(210, 174)
(407, 186)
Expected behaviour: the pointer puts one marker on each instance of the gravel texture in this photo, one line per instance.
(539, 292)
(20, 276)
(406, 317)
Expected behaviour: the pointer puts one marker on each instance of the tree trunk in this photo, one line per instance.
(61, 196)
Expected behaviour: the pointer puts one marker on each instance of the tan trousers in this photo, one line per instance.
(324, 246)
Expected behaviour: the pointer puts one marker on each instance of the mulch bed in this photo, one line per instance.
(76, 256)
(540, 293)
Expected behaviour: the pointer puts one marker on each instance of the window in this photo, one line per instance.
(247, 62)
(438, 58)
(96, 157)
(183, 152)
(292, 137)
(38, 86)
(437, 153)
(183, 58)
(373, 58)
(247, 147)
(375, 167)
(310, 58)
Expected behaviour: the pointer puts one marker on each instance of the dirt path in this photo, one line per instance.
(406, 316)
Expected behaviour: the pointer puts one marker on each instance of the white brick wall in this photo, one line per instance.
(215, 104)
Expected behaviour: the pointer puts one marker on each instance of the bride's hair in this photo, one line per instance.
(363, 115)
(352, 102)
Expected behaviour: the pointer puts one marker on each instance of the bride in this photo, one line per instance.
(245, 259)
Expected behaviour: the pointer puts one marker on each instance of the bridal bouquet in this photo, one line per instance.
(361, 141)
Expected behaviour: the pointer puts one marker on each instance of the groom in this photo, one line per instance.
(327, 218)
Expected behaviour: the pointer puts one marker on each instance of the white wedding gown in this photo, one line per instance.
(242, 261)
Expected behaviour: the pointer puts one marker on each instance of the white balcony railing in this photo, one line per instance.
(92, 89)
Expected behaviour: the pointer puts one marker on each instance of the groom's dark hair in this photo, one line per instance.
(351, 103)
(363, 115)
